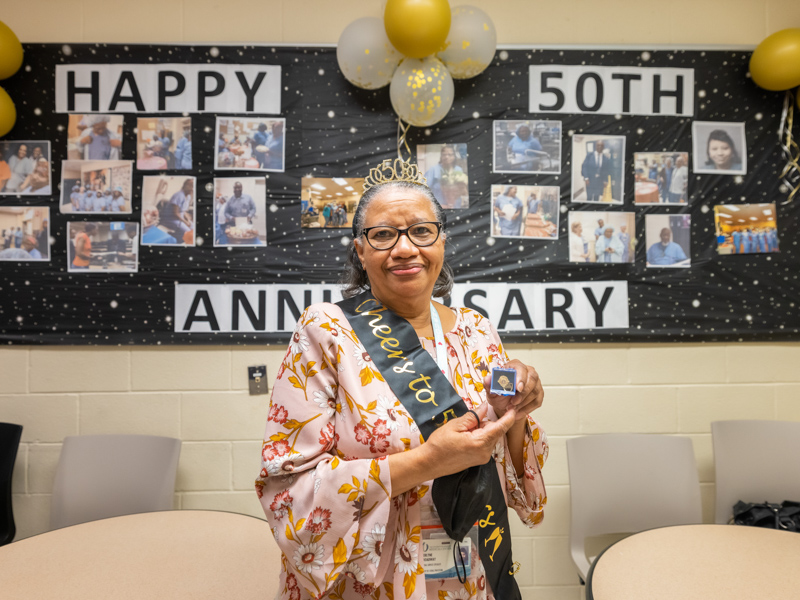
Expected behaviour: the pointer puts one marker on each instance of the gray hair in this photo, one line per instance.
(354, 278)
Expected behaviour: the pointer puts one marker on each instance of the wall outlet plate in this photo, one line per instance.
(257, 377)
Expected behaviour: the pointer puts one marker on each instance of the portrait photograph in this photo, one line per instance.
(168, 210)
(746, 228)
(240, 211)
(602, 237)
(719, 148)
(249, 144)
(164, 144)
(24, 233)
(525, 211)
(661, 177)
(102, 247)
(598, 169)
(25, 168)
(527, 147)
(96, 186)
(445, 168)
(329, 202)
(94, 137)
(668, 240)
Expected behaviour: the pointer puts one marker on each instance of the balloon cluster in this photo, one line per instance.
(10, 62)
(775, 66)
(418, 49)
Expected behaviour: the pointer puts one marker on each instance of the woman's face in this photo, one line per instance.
(720, 153)
(405, 271)
(512, 192)
(448, 157)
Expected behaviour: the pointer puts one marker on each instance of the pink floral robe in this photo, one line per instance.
(324, 481)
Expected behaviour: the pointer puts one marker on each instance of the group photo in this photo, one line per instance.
(94, 137)
(746, 228)
(96, 186)
(602, 237)
(598, 169)
(240, 215)
(25, 168)
(661, 177)
(168, 210)
(24, 233)
(164, 143)
(668, 240)
(249, 144)
(329, 202)
(446, 170)
(102, 246)
(527, 147)
(529, 211)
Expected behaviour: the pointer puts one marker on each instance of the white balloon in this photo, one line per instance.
(421, 91)
(471, 43)
(366, 57)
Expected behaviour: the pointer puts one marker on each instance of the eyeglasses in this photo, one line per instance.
(384, 237)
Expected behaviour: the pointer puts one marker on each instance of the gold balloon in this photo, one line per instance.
(8, 112)
(417, 28)
(421, 91)
(10, 52)
(775, 64)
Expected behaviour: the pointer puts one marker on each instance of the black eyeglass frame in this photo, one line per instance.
(400, 232)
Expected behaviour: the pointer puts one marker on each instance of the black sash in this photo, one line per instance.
(461, 499)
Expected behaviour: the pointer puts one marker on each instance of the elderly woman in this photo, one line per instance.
(379, 408)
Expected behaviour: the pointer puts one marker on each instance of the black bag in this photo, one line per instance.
(785, 516)
(461, 497)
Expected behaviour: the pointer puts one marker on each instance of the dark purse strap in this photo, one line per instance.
(428, 396)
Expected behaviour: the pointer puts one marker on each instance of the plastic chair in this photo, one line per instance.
(755, 461)
(101, 476)
(626, 483)
(10, 435)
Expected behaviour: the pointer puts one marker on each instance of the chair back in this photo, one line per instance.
(10, 434)
(755, 461)
(625, 483)
(101, 476)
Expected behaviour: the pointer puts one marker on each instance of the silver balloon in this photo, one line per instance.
(471, 43)
(366, 57)
(421, 91)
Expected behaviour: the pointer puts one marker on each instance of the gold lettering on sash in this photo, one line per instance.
(381, 331)
(487, 521)
(431, 395)
(448, 414)
(405, 368)
(497, 536)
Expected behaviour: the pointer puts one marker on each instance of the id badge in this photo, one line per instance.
(440, 553)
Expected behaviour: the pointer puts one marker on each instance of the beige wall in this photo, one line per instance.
(199, 394)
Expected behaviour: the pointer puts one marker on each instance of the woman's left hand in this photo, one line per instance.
(528, 398)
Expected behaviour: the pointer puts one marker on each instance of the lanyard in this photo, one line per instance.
(438, 340)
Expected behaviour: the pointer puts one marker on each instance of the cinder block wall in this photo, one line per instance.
(200, 394)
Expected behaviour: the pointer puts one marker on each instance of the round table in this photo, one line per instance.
(646, 193)
(699, 562)
(192, 554)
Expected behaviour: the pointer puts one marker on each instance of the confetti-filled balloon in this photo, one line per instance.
(775, 64)
(366, 56)
(10, 52)
(421, 91)
(8, 113)
(471, 43)
(417, 28)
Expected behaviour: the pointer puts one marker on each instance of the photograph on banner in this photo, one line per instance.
(598, 169)
(240, 211)
(102, 246)
(25, 168)
(746, 228)
(96, 186)
(529, 211)
(668, 240)
(719, 148)
(328, 202)
(249, 144)
(602, 237)
(445, 168)
(94, 137)
(168, 210)
(527, 147)
(24, 233)
(661, 177)
(164, 143)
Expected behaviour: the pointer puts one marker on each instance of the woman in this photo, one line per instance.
(38, 181)
(346, 482)
(444, 174)
(721, 152)
(508, 212)
(578, 248)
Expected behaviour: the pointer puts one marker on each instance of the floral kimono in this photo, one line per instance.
(325, 484)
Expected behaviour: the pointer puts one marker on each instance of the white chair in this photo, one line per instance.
(755, 461)
(625, 483)
(101, 476)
